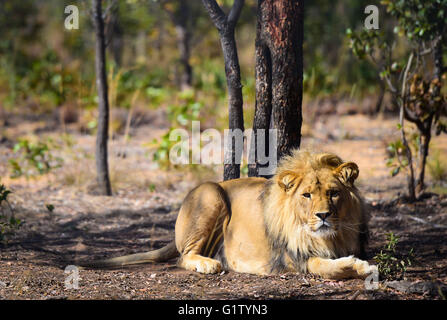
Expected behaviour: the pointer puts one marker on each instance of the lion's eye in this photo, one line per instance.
(335, 194)
(306, 195)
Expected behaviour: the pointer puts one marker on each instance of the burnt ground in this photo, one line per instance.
(141, 216)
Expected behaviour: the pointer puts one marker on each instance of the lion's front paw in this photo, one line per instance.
(353, 267)
(200, 264)
(208, 266)
(364, 269)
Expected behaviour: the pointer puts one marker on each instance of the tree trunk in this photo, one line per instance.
(113, 31)
(103, 107)
(117, 42)
(379, 101)
(226, 25)
(402, 116)
(423, 154)
(183, 44)
(279, 73)
(180, 16)
(437, 55)
(426, 126)
(263, 103)
(235, 103)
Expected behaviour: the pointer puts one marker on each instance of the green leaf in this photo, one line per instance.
(395, 171)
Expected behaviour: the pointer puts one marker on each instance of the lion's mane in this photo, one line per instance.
(290, 241)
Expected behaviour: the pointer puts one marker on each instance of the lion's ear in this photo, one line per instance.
(287, 179)
(347, 173)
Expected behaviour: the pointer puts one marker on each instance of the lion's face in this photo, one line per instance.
(318, 197)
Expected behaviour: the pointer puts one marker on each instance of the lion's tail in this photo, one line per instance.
(163, 254)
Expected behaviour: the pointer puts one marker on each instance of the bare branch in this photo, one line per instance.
(216, 14)
(411, 187)
(390, 85)
(407, 68)
(110, 8)
(235, 12)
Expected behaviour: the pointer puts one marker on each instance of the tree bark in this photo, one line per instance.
(103, 106)
(226, 24)
(279, 73)
(263, 103)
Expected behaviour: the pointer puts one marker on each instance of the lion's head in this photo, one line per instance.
(312, 208)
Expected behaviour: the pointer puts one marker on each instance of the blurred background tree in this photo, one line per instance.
(45, 66)
(414, 77)
(155, 49)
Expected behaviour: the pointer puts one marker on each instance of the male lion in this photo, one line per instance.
(308, 218)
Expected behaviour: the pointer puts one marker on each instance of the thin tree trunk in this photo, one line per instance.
(180, 17)
(425, 129)
(439, 64)
(103, 106)
(263, 104)
(279, 72)
(226, 25)
(183, 44)
(423, 154)
(403, 105)
(379, 101)
(235, 102)
(114, 34)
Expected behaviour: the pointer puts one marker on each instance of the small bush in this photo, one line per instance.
(8, 223)
(180, 115)
(390, 264)
(33, 158)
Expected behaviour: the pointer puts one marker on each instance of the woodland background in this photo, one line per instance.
(165, 69)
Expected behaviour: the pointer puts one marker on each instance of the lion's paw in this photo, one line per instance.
(208, 266)
(354, 267)
(364, 269)
(201, 264)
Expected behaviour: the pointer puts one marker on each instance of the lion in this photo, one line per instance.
(308, 218)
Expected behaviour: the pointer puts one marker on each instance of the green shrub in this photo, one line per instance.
(33, 158)
(8, 223)
(390, 264)
(180, 115)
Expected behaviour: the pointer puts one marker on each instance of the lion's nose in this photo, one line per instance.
(323, 215)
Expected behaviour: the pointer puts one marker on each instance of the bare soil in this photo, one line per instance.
(141, 216)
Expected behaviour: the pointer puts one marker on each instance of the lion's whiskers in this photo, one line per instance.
(346, 227)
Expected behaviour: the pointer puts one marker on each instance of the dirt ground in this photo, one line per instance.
(141, 216)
